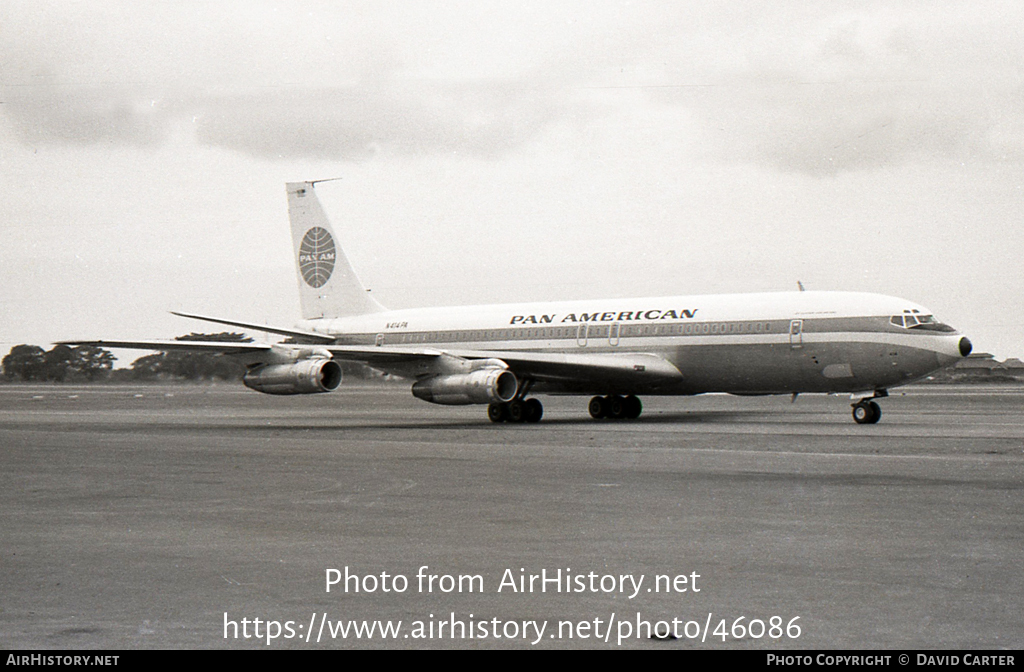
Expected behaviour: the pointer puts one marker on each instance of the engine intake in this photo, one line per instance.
(307, 376)
(484, 386)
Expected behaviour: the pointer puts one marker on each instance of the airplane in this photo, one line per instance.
(615, 349)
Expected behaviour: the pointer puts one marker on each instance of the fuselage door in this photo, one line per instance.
(613, 334)
(796, 333)
(581, 334)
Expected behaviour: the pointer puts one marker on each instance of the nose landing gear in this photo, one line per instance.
(866, 411)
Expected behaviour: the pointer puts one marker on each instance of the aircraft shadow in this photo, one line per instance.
(680, 418)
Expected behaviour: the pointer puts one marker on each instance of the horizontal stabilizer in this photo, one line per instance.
(294, 333)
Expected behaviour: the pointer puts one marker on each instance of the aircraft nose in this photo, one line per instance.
(965, 346)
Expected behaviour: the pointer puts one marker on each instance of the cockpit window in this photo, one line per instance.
(914, 320)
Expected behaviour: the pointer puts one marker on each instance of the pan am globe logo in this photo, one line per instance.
(316, 257)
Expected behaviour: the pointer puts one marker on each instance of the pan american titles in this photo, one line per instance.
(608, 316)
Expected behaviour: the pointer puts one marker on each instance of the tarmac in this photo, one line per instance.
(162, 516)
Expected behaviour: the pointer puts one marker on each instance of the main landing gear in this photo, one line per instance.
(615, 407)
(866, 411)
(519, 409)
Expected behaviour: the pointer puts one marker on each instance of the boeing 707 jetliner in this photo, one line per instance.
(615, 349)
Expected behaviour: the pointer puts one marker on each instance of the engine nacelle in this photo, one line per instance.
(306, 376)
(483, 386)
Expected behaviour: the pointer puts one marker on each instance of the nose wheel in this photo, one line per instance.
(866, 412)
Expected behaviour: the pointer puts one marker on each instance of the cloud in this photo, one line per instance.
(483, 119)
(349, 122)
(798, 88)
(44, 114)
(868, 92)
(827, 128)
(273, 80)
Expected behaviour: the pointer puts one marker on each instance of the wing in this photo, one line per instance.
(392, 360)
(572, 371)
(591, 371)
(558, 371)
(211, 347)
(583, 370)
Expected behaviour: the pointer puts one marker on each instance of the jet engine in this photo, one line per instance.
(483, 386)
(306, 376)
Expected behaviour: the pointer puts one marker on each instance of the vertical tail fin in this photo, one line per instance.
(328, 287)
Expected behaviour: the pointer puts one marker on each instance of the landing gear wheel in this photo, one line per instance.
(534, 410)
(866, 412)
(633, 407)
(616, 407)
(598, 408)
(516, 411)
(497, 412)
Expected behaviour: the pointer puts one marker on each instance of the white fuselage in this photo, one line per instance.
(742, 343)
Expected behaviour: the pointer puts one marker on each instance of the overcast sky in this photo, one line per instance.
(507, 151)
